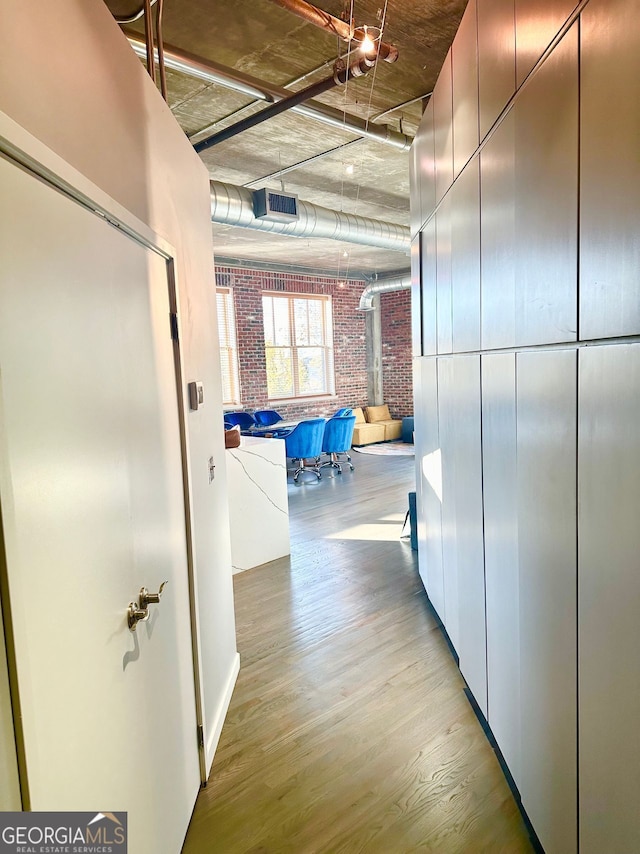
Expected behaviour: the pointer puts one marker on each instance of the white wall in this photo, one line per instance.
(69, 77)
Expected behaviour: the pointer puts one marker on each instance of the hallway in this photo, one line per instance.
(349, 730)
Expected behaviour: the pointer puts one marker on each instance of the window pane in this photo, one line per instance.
(267, 312)
(227, 373)
(316, 325)
(312, 375)
(282, 337)
(228, 347)
(301, 323)
(279, 372)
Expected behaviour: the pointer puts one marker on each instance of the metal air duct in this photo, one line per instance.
(382, 286)
(232, 205)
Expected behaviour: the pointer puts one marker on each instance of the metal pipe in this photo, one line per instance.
(161, 69)
(212, 72)
(148, 36)
(340, 75)
(302, 163)
(232, 205)
(200, 134)
(319, 18)
(205, 69)
(382, 286)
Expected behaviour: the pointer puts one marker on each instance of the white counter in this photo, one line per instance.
(258, 503)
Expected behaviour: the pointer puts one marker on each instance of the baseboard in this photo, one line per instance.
(221, 713)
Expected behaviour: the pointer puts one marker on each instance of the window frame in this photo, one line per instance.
(327, 346)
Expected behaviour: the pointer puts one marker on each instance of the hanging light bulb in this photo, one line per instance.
(367, 45)
(349, 168)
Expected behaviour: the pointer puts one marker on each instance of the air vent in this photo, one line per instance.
(277, 207)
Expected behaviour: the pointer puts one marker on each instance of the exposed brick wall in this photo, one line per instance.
(397, 374)
(349, 341)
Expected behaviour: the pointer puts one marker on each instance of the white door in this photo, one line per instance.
(92, 508)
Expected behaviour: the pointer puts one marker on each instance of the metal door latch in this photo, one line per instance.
(139, 613)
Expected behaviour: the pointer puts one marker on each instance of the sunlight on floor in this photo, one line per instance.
(386, 529)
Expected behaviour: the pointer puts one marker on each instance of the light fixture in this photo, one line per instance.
(345, 254)
(369, 40)
(349, 168)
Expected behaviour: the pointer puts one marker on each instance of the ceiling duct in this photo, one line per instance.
(232, 205)
(382, 286)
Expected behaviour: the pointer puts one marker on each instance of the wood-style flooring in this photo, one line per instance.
(349, 730)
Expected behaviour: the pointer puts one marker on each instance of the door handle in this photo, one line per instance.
(139, 612)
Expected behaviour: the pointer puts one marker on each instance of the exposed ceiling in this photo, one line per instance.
(260, 38)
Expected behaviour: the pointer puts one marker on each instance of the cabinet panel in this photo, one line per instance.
(443, 129)
(609, 598)
(462, 536)
(546, 116)
(429, 484)
(415, 213)
(465, 259)
(610, 170)
(429, 276)
(537, 22)
(496, 58)
(426, 164)
(546, 498)
(497, 164)
(443, 276)
(501, 553)
(416, 296)
(464, 57)
(446, 427)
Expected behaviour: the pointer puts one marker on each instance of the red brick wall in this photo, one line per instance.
(348, 341)
(397, 372)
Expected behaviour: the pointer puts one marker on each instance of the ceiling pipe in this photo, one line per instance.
(232, 205)
(213, 72)
(382, 286)
(341, 73)
(336, 26)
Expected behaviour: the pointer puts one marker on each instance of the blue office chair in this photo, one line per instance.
(346, 410)
(304, 443)
(242, 419)
(266, 417)
(338, 435)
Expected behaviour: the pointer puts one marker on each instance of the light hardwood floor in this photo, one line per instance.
(349, 730)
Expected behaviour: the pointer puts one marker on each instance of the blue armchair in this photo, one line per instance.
(266, 417)
(304, 443)
(338, 435)
(346, 410)
(241, 419)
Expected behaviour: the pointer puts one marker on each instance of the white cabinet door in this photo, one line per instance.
(462, 523)
(609, 598)
(501, 553)
(429, 483)
(546, 449)
(92, 507)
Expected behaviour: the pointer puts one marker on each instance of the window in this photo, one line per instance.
(228, 346)
(299, 345)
